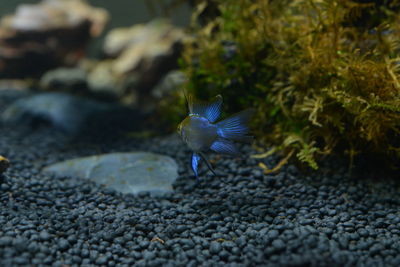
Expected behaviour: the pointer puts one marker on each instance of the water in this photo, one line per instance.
(123, 13)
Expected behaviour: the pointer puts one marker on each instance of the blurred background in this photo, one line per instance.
(78, 64)
(124, 12)
(122, 52)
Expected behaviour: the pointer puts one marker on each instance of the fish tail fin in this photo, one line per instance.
(235, 127)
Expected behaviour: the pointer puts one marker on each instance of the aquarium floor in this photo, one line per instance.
(243, 218)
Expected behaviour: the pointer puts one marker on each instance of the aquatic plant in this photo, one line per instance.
(324, 75)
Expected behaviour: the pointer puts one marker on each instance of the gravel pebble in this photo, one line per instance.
(243, 218)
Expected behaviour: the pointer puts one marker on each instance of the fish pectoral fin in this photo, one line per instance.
(210, 110)
(208, 164)
(195, 163)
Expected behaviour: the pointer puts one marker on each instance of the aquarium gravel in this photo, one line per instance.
(242, 218)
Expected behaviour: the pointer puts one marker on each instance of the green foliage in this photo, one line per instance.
(322, 74)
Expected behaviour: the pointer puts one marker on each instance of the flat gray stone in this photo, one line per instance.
(131, 172)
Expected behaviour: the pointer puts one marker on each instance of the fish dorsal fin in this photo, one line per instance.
(210, 110)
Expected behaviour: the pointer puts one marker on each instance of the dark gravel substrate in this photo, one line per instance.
(242, 219)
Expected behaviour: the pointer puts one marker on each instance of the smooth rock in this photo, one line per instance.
(103, 81)
(69, 113)
(120, 39)
(55, 14)
(139, 56)
(41, 36)
(125, 172)
(168, 84)
(64, 79)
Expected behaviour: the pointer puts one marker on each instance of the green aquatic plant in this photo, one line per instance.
(324, 75)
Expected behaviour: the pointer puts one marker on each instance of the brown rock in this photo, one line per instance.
(4, 164)
(139, 57)
(45, 35)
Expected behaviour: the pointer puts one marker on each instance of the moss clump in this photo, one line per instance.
(324, 75)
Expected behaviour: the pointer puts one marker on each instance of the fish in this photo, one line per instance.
(201, 130)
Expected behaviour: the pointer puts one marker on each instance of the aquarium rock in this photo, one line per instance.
(4, 164)
(41, 36)
(139, 56)
(172, 81)
(124, 172)
(150, 35)
(69, 113)
(102, 80)
(65, 79)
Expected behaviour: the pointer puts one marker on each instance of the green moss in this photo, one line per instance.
(321, 78)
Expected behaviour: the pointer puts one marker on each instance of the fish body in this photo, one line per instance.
(201, 131)
(198, 132)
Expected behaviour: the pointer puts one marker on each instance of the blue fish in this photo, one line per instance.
(201, 131)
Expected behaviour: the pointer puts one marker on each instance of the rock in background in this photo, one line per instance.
(71, 114)
(137, 59)
(42, 36)
(65, 79)
(139, 62)
(47, 42)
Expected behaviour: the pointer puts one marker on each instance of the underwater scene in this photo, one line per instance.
(199, 133)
